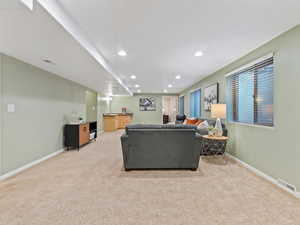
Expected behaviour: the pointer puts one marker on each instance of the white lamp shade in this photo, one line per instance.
(218, 111)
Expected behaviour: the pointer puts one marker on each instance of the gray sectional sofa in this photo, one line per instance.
(161, 147)
(168, 146)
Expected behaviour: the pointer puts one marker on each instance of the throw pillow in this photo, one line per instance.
(198, 122)
(190, 121)
(203, 125)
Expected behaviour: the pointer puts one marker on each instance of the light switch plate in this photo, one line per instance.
(11, 108)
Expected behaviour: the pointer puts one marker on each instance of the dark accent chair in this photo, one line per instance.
(180, 119)
(161, 147)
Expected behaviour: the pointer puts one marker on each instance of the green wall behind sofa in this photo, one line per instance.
(1, 113)
(91, 105)
(275, 151)
(132, 105)
(43, 103)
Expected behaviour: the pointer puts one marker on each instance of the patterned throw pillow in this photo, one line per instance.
(198, 122)
(203, 125)
(190, 121)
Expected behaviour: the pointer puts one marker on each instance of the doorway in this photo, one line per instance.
(170, 108)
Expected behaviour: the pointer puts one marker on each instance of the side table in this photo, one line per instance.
(212, 145)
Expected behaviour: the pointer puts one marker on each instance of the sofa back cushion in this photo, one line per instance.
(165, 147)
(160, 127)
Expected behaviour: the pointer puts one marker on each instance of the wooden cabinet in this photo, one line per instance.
(123, 121)
(77, 135)
(112, 122)
(84, 134)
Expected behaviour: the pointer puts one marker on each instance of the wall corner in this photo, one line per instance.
(1, 114)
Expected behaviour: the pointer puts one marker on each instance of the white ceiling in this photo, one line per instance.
(33, 36)
(160, 36)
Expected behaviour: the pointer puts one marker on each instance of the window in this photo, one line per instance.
(181, 105)
(250, 94)
(195, 103)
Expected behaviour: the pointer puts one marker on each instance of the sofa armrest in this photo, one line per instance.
(125, 148)
(197, 147)
(200, 139)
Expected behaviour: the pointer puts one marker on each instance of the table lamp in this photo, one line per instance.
(218, 111)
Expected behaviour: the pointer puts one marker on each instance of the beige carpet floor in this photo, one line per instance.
(90, 188)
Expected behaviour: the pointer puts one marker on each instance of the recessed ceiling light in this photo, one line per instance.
(165, 91)
(137, 86)
(198, 53)
(133, 77)
(139, 91)
(170, 85)
(122, 53)
(178, 77)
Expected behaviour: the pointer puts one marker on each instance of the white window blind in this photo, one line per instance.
(250, 94)
(195, 103)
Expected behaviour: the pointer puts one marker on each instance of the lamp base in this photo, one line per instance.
(218, 127)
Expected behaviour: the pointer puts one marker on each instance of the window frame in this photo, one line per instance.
(233, 92)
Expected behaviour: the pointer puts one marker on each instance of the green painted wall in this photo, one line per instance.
(91, 106)
(132, 105)
(103, 107)
(1, 112)
(275, 151)
(43, 103)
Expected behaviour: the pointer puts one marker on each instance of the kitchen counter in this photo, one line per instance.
(117, 114)
(115, 121)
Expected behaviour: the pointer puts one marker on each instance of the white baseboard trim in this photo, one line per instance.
(263, 175)
(27, 166)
